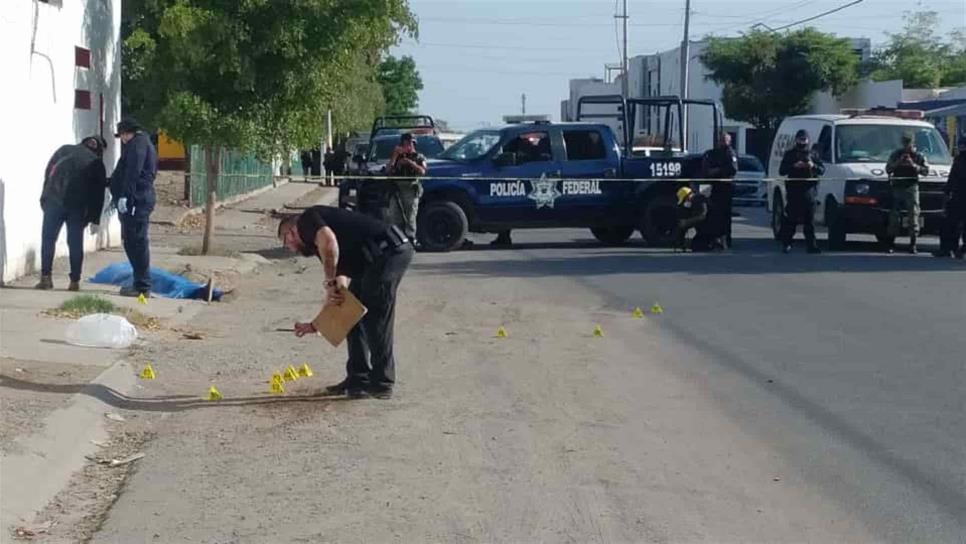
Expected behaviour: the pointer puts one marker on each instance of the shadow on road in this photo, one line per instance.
(175, 403)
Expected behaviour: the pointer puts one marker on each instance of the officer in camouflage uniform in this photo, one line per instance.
(405, 193)
(904, 168)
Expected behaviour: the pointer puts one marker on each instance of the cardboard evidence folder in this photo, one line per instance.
(335, 322)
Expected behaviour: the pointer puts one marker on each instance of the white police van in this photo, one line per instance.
(853, 193)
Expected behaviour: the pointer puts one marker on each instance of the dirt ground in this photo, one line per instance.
(169, 188)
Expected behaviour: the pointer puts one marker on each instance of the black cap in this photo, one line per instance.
(128, 124)
(406, 137)
(801, 134)
(99, 141)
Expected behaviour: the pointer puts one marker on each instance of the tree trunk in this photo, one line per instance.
(212, 166)
(187, 175)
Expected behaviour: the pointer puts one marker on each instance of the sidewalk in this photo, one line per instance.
(54, 396)
(283, 195)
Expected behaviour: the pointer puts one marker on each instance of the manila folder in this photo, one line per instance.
(334, 322)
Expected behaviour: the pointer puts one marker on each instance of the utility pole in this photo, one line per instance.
(625, 84)
(523, 103)
(685, 68)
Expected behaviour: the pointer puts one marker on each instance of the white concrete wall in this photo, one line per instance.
(592, 87)
(37, 101)
(867, 94)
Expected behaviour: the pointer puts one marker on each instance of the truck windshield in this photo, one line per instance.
(428, 146)
(473, 146)
(874, 143)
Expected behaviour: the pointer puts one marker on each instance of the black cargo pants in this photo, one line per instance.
(371, 361)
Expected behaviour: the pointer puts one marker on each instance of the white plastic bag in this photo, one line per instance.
(101, 331)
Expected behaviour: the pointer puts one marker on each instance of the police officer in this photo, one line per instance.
(721, 163)
(73, 193)
(693, 212)
(369, 258)
(404, 198)
(954, 222)
(132, 188)
(904, 168)
(801, 165)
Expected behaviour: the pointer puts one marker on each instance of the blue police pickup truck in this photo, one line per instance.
(543, 175)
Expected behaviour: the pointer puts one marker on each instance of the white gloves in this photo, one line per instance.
(122, 205)
(93, 229)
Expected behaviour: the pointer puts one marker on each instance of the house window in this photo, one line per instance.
(57, 3)
(82, 99)
(82, 57)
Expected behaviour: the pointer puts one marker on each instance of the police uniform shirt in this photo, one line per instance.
(352, 230)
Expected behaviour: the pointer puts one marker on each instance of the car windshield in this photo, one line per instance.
(473, 146)
(750, 164)
(428, 146)
(874, 143)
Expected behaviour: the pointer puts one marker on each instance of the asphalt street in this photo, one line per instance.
(779, 398)
(849, 363)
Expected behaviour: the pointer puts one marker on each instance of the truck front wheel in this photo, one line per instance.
(612, 236)
(660, 221)
(442, 226)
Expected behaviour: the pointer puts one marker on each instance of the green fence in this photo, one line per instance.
(240, 173)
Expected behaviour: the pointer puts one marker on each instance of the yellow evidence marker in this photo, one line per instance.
(213, 393)
(147, 373)
(142, 299)
(637, 313)
(501, 333)
(277, 387)
(598, 332)
(291, 374)
(305, 371)
(656, 309)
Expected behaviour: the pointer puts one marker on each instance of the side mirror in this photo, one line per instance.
(505, 159)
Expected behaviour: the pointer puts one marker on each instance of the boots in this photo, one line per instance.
(913, 247)
(74, 286)
(46, 283)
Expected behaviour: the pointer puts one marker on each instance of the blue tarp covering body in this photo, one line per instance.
(163, 283)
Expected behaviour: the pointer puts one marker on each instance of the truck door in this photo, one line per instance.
(518, 196)
(589, 191)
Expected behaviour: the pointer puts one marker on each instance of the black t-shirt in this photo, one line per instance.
(351, 230)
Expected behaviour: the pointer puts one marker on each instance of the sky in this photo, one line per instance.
(477, 57)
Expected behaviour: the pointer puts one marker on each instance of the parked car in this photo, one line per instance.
(750, 188)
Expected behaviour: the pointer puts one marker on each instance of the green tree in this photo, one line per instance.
(254, 75)
(767, 76)
(919, 56)
(400, 82)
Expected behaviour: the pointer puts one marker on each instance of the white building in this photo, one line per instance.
(61, 64)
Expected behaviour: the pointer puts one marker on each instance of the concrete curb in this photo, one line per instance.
(31, 479)
(178, 219)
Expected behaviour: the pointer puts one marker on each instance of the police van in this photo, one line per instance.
(854, 194)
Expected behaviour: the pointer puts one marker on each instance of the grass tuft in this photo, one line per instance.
(82, 305)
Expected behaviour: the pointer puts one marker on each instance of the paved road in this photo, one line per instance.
(850, 364)
(780, 398)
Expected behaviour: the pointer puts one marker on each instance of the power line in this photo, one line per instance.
(523, 22)
(812, 18)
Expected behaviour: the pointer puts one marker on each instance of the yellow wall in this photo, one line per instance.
(168, 148)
